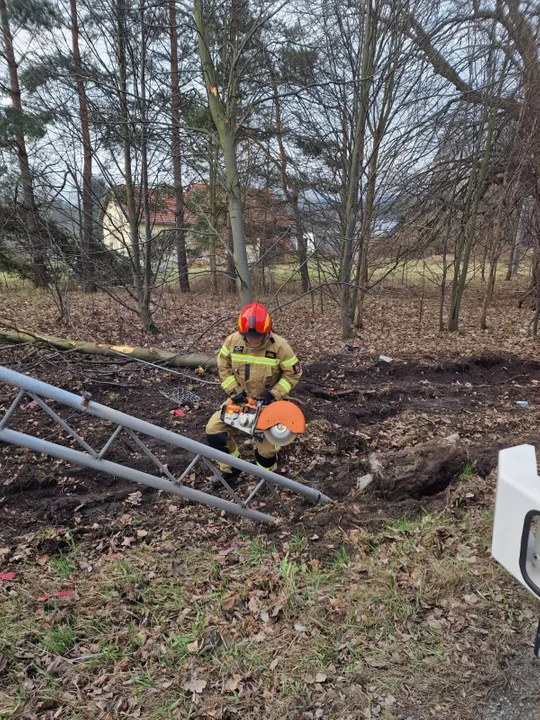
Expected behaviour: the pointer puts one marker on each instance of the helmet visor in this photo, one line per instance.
(254, 339)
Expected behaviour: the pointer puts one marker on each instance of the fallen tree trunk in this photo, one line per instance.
(147, 354)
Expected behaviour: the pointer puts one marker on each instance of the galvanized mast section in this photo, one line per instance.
(93, 459)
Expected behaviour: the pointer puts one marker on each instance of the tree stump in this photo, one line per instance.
(424, 469)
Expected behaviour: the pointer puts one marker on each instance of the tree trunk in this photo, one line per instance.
(495, 251)
(231, 268)
(301, 242)
(378, 133)
(243, 277)
(179, 225)
(463, 252)
(142, 273)
(148, 273)
(519, 237)
(152, 354)
(226, 130)
(213, 157)
(134, 250)
(510, 269)
(355, 169)
(359, 293)
(88, 249)
(476, 188)
(483, 264)
(289, 188)
(445, 254)
(535, 273)
(37, 243)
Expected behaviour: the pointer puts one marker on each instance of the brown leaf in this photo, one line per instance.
(253, 605)
(434, 623)
(42, 559)
(194, 686)
(233, 683)
(228, 605)
(277, 609)
(228, 550)
(193, 647)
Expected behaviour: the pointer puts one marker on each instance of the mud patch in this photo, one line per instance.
(371, 407)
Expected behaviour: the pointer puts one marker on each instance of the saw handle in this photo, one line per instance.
(250, 404)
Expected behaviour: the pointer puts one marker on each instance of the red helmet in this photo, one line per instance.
(255, 323)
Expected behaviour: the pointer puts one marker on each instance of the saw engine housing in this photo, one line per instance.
(279, 422)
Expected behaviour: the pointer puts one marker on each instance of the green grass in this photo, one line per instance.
(364, 615)
(342, 557)
(467, 471)
(62, 566)
(59, 640)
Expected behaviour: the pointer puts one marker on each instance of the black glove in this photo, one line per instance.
(240, 397)
(266, 398)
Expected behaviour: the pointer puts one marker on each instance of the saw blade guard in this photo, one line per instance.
(281, 422)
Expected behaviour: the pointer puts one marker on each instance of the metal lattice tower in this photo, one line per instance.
(89, 457)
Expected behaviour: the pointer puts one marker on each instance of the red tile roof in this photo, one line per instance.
(261, 207)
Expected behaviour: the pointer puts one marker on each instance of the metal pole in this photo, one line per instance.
(102, 411)
(80, 458)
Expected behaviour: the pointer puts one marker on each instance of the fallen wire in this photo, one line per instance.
(128, 358)
(167, 369)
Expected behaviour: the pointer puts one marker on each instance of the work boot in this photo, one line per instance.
(230, 478)
(268, 463)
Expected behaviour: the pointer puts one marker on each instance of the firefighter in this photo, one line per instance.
(253, 362)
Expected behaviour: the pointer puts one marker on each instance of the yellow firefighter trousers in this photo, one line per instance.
(265, 448)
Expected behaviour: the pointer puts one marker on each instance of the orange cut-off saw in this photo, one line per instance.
(280, 422)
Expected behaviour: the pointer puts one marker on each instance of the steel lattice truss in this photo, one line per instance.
(133, 427)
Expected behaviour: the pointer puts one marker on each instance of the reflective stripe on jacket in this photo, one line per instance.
(273, 366)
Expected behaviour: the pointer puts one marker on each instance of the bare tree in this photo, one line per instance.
(180, 235)
(288, 185)
(88, 245)
(224, 114)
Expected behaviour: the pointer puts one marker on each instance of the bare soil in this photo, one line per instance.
(353, 405)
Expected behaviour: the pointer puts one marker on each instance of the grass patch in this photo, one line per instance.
(467, 471)
(270, 630)
(59, 640)
(62, 566)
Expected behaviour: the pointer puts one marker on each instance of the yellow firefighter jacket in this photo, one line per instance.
(272, 366)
